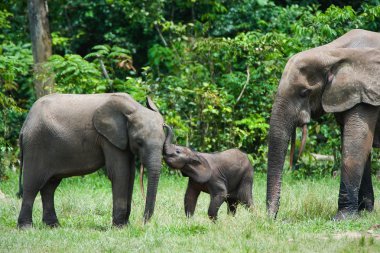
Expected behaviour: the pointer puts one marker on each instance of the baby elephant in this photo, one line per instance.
(226, 176)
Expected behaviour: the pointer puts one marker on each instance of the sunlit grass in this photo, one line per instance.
(84, 206)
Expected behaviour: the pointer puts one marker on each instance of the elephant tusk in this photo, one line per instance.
(292, 148)
(142, 181)
(303, 140)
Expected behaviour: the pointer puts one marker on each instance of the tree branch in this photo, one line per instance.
(160, 34)
(245, 85)
(105, 73)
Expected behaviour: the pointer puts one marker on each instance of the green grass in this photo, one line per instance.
(84, 207)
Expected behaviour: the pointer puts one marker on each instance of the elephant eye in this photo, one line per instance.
(305, 93)
(139, 142)
(177, 151)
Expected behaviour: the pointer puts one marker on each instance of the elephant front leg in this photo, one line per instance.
(366, 196)
(191, 197)
(120, 203)
(357, 143)
(131, 181)
(119, 172)
(216, 202)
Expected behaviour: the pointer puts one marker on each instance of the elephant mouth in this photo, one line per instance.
(172, 164)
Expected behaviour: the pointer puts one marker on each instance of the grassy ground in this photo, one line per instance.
(84, 210)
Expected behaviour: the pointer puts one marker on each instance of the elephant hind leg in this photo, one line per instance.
(49, 216)
(232, 206)
(25, 216)
(245, 192)
(30, 191)
(32, 183)
(366, 196)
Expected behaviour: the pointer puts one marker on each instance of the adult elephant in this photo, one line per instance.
(69, 135)
(342, 77)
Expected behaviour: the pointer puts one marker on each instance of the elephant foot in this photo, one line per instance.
(345, 215)
(118, 224)
(52, 223)
(120, 218)
(213, 218)
(189, 214)
(366, 205)
(24, 225)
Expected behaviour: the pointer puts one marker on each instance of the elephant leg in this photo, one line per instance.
(49, 216)
(358, 132)
(32, 184)
(245, 192)
(120, 200)
(366, 196)
(131, 182)
(216, 201)
(118, 171)
(191, 197)
(25, 216)
(232, 206)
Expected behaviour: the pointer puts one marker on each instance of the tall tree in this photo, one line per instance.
(41, 45)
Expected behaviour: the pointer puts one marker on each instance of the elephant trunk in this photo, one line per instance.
(168, 144)
(282, 127)
(153, 166)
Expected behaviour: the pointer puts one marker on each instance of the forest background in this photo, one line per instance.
(211, 66)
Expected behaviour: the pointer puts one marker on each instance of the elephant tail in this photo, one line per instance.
(142, 181)
(20, 188)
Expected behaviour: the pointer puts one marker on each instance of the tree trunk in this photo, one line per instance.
(41, 46)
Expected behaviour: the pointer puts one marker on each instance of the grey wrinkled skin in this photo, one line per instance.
(227, 176)
(68, 135)
(343, 78)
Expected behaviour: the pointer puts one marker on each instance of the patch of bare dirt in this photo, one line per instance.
(2, 196)
(373, 231)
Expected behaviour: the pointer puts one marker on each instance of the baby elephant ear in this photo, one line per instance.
(353, 78)
(198, 169)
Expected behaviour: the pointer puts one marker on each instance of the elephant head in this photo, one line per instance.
(131, 126)
(320, 80)
(190, 163)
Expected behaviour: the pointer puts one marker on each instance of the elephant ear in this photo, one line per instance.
(354, 77)
(110, 119)
(151, 105)
(198, 169)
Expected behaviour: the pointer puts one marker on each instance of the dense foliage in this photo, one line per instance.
(211, 66)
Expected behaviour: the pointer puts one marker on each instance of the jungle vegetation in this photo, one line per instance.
(212, 66)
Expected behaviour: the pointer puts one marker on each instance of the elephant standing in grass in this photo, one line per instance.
(343, 78)
(70, 135)
(226, 176)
